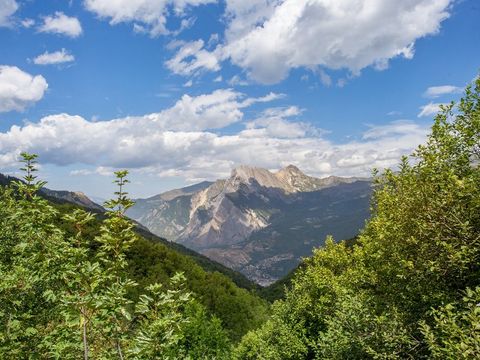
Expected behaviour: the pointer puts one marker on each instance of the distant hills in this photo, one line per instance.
(258, 222)
(72, 197)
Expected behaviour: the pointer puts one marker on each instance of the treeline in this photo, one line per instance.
(409, 287)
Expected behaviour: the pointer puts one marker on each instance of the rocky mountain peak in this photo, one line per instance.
(291, 169)
(289, 172)
(245, 174)
(290, 179)
(258, 221)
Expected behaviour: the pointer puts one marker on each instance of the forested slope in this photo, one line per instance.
(409, 288)
(151, 259)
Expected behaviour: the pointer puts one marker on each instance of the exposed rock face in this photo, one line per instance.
(166, 215)
(258, 222)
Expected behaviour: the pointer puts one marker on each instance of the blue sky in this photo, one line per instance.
(179, 91)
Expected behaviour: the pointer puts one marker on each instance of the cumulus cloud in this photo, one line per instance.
(274, 122)
(192, 58)
(437, 91)
(269, 38)
(178, 141)
(59, 23)
(393, 129)
(7, 9)
(429, 109)
(57, 57)
(19, 89)
(148, 16)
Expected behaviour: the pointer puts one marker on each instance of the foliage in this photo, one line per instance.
(277, 290)
(66, 295)
(397, 292)
(455, 333)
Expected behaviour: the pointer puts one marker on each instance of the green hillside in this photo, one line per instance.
(152, 259)
(225, 293)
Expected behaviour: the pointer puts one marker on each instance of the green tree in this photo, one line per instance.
(397, 293)
(68, 296)
(455, 332)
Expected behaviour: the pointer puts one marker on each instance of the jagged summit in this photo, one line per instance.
(292, 169)
(290, 179)
(263, 177)
(257, 221)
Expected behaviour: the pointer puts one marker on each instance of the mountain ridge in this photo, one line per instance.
(232, 220)
(74, 197)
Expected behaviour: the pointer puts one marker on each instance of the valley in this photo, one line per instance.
(258, 222)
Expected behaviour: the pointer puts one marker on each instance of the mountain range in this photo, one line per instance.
(258, 222)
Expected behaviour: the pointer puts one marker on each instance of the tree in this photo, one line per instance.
(69, 297)
(397, 293)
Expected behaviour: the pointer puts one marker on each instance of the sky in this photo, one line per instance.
(181, 91)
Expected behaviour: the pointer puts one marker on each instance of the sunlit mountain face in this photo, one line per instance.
(258, 222)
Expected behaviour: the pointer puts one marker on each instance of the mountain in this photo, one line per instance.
(259, 222)
(60, 196)
(74, 197)
(166, 214)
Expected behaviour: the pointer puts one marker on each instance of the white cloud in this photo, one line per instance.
(57, 57)
(382, 30)
(437, 91)
(59, 23)
(19, 89)
(147, 15)
(237, 81)
(393, 129)
(27, 23)
(274, 123)
(100, 170)
(178, 138)
(269, 38)
(429, 109)
(192, 58)
(7, 9)
(211, 111)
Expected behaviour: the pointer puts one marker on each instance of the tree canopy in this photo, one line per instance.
(410, 286)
